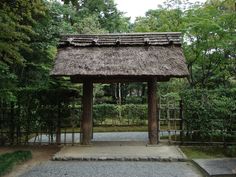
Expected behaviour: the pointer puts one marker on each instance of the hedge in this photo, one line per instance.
(210, 115)
(132, 113)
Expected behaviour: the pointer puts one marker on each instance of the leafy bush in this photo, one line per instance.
(210, 114)
(8, 160)
(231, 151)
(33, 110)
(133, 113)
(103, 111)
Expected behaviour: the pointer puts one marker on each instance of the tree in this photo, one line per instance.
(210, 44)
(106, 13)
(208, 32)
(17, 18)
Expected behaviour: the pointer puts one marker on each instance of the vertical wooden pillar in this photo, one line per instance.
(87, 102)
(181, 121)
(58, 129)
(152, 111)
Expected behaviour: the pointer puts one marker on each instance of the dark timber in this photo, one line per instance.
(152, 111)
(87, 112)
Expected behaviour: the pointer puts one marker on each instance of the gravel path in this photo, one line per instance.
(113, 169)
(108, 136)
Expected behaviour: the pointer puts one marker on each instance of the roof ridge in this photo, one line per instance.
(121, 39)
(124, 34)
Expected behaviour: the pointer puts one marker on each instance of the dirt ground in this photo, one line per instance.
(40, 154)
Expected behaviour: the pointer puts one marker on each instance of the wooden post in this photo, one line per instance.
(158, 119)
(87, 101)
(181, 121)
(152, 111)
(12, 124)
(58, 129)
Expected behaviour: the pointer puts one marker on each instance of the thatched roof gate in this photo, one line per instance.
(143, 57)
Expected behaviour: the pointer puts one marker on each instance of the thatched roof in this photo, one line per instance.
(137, 54)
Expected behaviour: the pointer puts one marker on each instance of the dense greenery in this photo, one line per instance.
(208, 36)
(128, 114)
(8, 160)
(210, 115)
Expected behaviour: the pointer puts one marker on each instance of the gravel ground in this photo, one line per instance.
(107, 136)
(113, 169)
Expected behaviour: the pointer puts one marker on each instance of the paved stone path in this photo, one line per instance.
(218, 167)
(113, 169)
(103, 151)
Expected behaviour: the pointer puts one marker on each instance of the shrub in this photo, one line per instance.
(136, 114)
(8, 160)
(211, 113)
(231, 151)
(103, 111)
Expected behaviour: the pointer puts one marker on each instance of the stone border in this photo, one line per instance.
(152, 159)
(181, 152)
(207, 174)
(200, 168)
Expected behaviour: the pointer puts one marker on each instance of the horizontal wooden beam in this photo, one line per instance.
(117, 79)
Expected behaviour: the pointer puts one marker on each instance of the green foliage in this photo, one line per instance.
(18, 19)
(90, 25)
(103, 111)
(16, 28)
(133, 113)
(105, 13)
(231, 151)
(210, 114)
(136, 114)
(210, 44)
(209, 38)
(8, 160)
(159, 20)
(203, 152)
(34, 110)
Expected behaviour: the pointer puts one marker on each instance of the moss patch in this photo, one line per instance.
(203, 152)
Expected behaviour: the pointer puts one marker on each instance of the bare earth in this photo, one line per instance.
(40, 154)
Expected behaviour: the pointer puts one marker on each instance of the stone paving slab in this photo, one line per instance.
(218, 167)
(121, 153)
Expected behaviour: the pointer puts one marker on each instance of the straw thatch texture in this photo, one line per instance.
(137, 54)
(121, 61)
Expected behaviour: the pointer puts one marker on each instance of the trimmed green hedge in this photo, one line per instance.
(212, 113)
(134, 113)
(8, 160)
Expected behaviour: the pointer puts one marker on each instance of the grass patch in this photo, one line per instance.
(112, 129)
(118, 128)
(8, 160)
(203, 152)
(121, 129)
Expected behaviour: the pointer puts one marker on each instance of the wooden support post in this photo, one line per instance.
(87, 101)
(152, 111)
(58, 129)
(12, 124)
(158, 119)
(181, 121)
